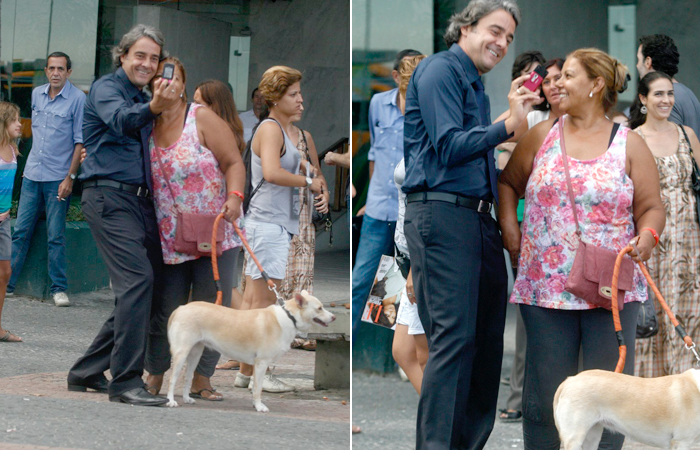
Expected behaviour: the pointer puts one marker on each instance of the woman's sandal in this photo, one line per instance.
(309, 345)
(9, 337)
(212, 397)
(510, 415)
(231, 364)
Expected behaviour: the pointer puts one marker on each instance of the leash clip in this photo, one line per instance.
(695, 352)
(273, 288)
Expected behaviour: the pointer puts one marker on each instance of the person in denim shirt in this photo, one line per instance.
(382, 207)
(52, 165)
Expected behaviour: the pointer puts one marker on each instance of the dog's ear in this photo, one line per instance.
(300, 299)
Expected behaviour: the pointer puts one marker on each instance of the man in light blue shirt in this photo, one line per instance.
(382, 207)
(52, 165)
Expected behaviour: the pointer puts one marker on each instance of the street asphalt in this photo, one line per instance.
(37, 411)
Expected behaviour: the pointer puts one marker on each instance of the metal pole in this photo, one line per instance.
(48, 39)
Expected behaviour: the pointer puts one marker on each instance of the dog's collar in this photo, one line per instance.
(291, 317)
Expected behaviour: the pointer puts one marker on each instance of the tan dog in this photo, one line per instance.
(661, 412)
(256, 336)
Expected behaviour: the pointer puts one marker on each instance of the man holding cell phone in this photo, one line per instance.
(457, 259)
(118, 207)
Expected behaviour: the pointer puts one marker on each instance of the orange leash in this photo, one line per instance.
(215, 265)
(689, 344)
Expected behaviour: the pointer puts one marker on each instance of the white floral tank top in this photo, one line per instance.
(604, 195)
(196, 181)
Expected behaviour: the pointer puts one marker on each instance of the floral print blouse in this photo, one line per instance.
(604, 195)
(196, 181)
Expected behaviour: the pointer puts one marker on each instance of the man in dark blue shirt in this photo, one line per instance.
(457, 258)
(118, 207)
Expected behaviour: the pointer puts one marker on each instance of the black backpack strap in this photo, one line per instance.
(249, 148)
(256, 188)
(616, 127)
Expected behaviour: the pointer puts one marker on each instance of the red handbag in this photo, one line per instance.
(193, 232)
(591, 274)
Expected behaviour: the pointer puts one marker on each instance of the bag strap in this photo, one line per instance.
(165, 175)
(306, 150)
(282, 151)
(306, 144)
(565, 159)
(687, 140)
(162, 167)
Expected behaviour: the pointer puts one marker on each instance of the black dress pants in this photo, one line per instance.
(460, 280)
(126, 233)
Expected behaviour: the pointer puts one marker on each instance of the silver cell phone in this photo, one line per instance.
(168, 71)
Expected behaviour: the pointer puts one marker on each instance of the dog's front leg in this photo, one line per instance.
(258, 376)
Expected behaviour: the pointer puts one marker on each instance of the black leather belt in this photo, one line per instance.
(476, 204)
(138, 191)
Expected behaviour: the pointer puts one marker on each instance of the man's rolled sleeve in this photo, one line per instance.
(78, 112)
(371, 117)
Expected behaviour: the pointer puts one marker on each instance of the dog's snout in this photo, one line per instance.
(332, 317)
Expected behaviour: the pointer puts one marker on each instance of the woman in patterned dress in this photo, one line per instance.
(614, 182)
(675, 264)
(196, 168)
(300, 262)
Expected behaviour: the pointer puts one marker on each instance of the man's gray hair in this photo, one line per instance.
(130, 38)
(475, 10)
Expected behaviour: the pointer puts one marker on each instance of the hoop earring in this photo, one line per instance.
(643, 109)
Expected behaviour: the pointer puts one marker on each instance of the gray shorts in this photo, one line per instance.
(5, 241)
(270, 243)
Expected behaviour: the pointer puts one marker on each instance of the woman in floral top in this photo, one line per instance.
(196, 168)
(616, 187)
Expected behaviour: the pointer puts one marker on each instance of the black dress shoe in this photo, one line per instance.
(99, 385)
(138, 397)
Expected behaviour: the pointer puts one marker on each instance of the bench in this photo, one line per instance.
(332, 366)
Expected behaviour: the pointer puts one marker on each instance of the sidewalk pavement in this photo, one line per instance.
(38, 412)
(385, 408)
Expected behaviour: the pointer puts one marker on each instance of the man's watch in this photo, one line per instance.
(309, 181)
(72, 176)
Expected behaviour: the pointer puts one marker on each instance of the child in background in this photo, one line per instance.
(10, 131)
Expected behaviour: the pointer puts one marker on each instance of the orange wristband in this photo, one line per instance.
(653, 233)
(238, 194)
